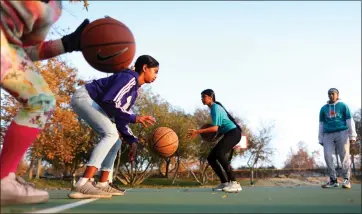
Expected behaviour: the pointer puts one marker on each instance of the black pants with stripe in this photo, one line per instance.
(218, 154)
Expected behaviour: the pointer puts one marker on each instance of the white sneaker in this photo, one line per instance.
(220, 187)
(108, 188)
(234, 186)
(87, 190)
(346, 184)
(14, 190)
(22, 181)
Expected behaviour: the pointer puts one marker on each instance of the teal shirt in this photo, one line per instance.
(220, 118)
(334, 117)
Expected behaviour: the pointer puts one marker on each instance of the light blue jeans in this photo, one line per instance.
(105, 152)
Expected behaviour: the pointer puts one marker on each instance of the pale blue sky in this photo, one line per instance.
(266, 61)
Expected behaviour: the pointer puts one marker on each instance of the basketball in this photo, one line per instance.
(164, 141)
(108, 45)
(210, 136)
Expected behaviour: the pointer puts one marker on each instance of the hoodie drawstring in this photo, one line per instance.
(330, 115)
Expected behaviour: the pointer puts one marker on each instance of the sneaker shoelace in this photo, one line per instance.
(89, 189)
(23, 182)
(116, 187)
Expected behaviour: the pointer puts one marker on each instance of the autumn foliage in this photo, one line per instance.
(65, 141)
(301, 158)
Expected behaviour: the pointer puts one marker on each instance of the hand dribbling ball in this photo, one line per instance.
(210, 136)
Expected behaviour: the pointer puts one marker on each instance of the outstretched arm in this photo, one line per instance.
(53, 48)
(45, 50)
(207, 130)
(192, 133)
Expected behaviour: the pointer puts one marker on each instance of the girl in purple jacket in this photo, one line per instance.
(105, 104)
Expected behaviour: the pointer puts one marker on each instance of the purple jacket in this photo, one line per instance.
(116, 95)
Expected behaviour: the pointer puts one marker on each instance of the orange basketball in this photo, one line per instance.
(164, 141)
(108, 45)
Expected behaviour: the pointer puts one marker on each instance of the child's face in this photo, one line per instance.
(206, 99)
(150, 74)
(333, 96)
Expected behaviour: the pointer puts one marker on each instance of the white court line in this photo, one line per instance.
(61, 208)
(64, 207)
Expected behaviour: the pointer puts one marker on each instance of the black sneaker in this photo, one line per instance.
(331, 183)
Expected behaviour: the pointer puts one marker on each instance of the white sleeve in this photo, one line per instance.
(351, 129)
(320, 135)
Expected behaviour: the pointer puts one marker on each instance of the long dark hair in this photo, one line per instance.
(211, 93)
(145, 60)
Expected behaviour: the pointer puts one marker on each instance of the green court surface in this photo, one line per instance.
(203, 200)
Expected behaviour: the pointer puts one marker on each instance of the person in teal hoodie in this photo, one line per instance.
(336, 131)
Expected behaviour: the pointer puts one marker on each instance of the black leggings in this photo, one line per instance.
(218, 154)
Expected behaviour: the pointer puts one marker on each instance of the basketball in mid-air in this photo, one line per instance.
(108, 45)
(164, 141)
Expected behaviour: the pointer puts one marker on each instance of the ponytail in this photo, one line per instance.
(211, 93)
(229, 115)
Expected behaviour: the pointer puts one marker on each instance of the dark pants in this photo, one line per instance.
(218, 154)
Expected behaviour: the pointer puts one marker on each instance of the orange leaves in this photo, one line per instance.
(85, 3)
(64, 137)
(301, 159)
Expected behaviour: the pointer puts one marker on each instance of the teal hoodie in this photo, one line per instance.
(336, 117)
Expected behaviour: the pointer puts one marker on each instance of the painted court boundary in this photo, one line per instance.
(64, 207)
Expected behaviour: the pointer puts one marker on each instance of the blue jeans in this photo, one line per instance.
(105, 152)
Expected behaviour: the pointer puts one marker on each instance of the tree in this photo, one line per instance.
(301, 159)
(22, 168)
(147, 104)
(71, 138)
(64, 142)
(85, 3)
(259, 148)
(201, 148)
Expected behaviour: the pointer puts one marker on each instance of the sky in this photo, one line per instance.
(268, 62)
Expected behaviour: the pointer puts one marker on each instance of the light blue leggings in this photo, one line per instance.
(104, 154)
